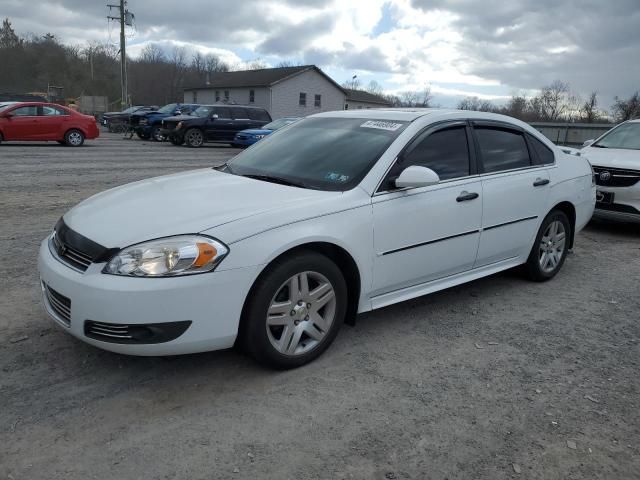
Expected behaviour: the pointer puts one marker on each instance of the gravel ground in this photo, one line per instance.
(500, 378)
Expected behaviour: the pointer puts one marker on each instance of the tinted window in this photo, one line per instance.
(446, 152)
(49, 111)
(239, 113)
(502, 149)
(544, 153)
(258, 114)
(30, 111)
(222, 112)
(322, 153)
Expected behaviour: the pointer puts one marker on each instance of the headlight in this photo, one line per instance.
(179, 126)
(143, 121)
(168, 257)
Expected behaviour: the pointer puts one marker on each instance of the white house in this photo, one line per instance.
(358, 99)
(283, 92)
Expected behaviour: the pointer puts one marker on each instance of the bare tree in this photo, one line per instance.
(257, 64)
(589, 109)
(627, 109)
(374, 88)
(551, 103)
(288, 63)
(8, 37)
(474, 103)
(152, 53)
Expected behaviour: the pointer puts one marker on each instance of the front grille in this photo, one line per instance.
(242, 136)
(60, 304)
(616, 177)
(109, 332)
(69, 255)
(134, 120)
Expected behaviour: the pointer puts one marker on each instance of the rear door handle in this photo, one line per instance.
(466, 196)
(540, 182)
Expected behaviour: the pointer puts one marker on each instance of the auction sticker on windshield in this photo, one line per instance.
(392, 127)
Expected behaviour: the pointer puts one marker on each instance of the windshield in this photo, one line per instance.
(276, 124)
(168, 108)
(202, 111)
(4, 106)
(131, 110)
(625, 136)
(321, 153)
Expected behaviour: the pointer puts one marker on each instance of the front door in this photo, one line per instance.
(515, 193)
(217, 129)
(428, 233)
(23, 124)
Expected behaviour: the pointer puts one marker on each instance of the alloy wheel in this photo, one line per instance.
(301, 313)
(552, 245)
(195, 138)
(75, 138)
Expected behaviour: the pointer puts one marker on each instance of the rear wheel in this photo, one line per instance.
(74, 138)
(194, 138)
(550, 248)
(294, 310)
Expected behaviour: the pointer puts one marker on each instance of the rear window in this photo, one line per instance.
(502, 149)
(239, 113)
(222, 112)
(544, 153)
(258, 114)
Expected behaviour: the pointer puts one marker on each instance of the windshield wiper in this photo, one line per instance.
(278, 180)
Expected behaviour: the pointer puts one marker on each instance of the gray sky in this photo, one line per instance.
(489, 48)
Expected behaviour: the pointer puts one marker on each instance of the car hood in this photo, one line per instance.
(612, 157)
(188, 202)
(256, 131)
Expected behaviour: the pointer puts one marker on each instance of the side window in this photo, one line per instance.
(544, 153)
(258, 114)
(239, 113)
(446, 152)
(222, 112)
(30, 111)
(52, 111)
(502, 149)
(303, 99)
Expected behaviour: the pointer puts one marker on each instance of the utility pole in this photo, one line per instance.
(125, 18)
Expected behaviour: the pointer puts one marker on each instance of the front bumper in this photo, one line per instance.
(625, 206)
(245, 141)
(212, 302)
(142, 129)
(171, 133)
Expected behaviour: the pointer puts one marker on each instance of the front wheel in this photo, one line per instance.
(194, 138)
(294, 310)
(550, 248)
(156, 135)
(74, 138)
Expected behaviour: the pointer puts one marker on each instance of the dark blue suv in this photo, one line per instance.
(148, 124)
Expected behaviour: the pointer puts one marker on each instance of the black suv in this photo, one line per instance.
(213, 123)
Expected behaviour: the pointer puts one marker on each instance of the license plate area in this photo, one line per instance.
(604, 198)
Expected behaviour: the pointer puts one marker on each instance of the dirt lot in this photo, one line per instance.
(500, 378)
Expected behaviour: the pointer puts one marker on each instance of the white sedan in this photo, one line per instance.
(615, 157)
(340, 213)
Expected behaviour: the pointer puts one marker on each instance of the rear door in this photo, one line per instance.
(52, 121)
(515, 188)
(258, 117)
(23, 124)
(241, 121)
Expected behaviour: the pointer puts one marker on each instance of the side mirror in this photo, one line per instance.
(588, 142)
(178, 112)
(415, 177)
(214, 116)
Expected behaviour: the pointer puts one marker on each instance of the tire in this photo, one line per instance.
(1, 138)
(142, 136)
(74, 138)
(156, 136)
(194, 138)
(285, 330)
(550, 248)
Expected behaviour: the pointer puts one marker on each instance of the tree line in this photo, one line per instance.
(156, 77)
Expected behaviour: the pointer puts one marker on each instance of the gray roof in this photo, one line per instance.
(366, 97)
(263, 77)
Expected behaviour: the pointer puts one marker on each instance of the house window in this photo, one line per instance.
(252, 96)
(195, 96)
(217, 95)
(303, 99)
(226, 95)
(346, 106)
(318, 101)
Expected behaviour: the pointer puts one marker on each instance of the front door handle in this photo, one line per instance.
(466, 196)
(540, 182)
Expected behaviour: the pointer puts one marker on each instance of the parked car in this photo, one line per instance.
(245, 138)
(148, 124)
(615, 157)
(213, 123)
(340, 213)
(123, 117)
(46, 121)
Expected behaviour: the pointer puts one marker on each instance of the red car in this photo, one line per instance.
(46, 121)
